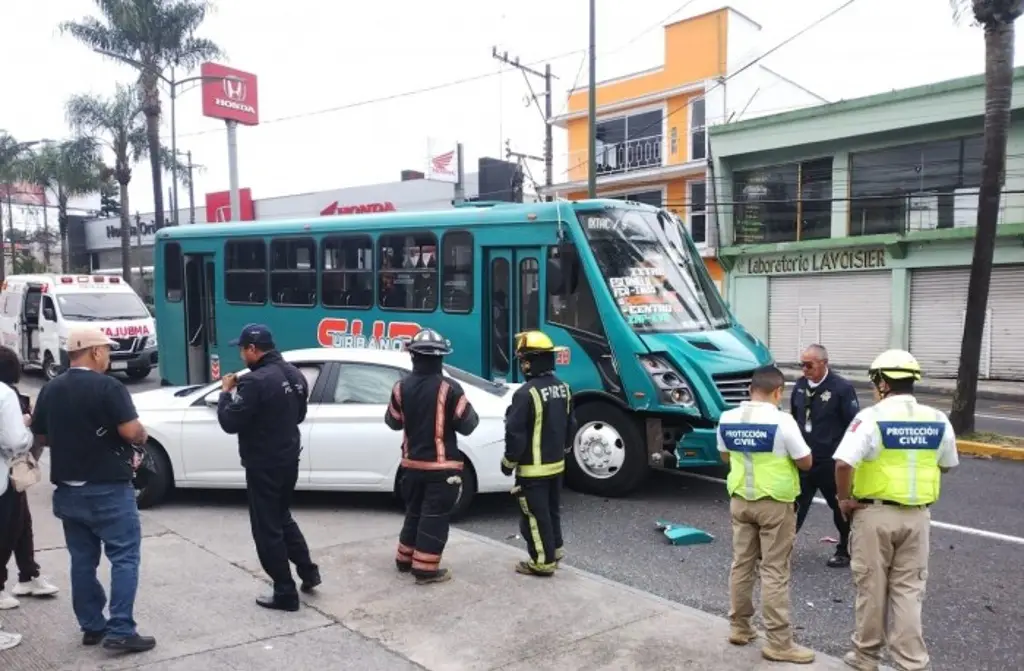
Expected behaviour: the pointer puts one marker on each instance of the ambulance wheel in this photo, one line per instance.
(608, 456)
(51, 368)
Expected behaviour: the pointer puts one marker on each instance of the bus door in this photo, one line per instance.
(200, 322)
(512, 303)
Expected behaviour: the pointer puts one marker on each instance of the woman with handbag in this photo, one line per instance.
(22, 472)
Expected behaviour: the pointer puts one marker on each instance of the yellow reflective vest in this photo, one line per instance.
(907, 469)
(756, 471)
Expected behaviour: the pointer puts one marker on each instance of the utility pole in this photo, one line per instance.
(545, 113)
(592, 114)
(460, 179)
(191, 190)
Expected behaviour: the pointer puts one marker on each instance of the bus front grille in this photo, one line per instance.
(734, 387)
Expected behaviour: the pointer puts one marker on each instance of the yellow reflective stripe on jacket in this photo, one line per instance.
(538, 424)
(538, 469)
(907, 476)
(541, 470)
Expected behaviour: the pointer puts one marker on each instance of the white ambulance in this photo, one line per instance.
(37, 311)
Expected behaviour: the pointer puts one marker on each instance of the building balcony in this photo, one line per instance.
(630, 155)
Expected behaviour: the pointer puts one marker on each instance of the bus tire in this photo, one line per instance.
(161, 478)
(608, 456)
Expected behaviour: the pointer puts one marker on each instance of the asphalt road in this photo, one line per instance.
(972, 607)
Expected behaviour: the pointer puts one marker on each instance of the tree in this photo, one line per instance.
(997, 18)
(110, 206)
(118, 124)
(68, 169)
(12, 157)
(155, 35)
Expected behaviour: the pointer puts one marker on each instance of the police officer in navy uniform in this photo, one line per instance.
(539, 429)
(429, 409)
(264, 409)
(823, 405)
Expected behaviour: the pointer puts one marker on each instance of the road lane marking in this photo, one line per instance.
(1004, 418)
(970, 531)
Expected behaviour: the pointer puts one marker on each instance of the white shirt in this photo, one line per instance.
(788, 440)
(862, 441)
(15, 437)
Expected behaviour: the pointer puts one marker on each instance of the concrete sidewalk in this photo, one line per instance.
(199, 578)
(995, 390)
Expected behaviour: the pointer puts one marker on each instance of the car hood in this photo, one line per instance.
(164, 398)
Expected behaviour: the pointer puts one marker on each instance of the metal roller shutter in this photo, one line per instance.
(849, 313)
(938, 299)
(1006, 298)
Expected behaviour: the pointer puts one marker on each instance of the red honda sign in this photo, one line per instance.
(218, 206)
(363, 208)
(230, 94)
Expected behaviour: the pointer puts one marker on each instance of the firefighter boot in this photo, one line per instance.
(529, 568)
(403, 566)
(440, 575)
(559, 556)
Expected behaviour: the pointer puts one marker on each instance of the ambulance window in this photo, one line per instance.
(407, 271)
(347, 272)
(173, 280)
(48, 308)
(245, 272)
(457, 272)
(293, 272)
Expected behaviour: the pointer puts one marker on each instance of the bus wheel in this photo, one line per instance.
(608, 457)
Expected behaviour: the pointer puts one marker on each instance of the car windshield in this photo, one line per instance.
(655, 275)
(495, 387)
(101, 306)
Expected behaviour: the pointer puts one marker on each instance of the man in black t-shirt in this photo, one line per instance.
(89, 421)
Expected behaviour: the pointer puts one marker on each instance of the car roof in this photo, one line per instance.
(353, 354)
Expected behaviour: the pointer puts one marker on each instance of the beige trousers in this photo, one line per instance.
(762, 530)
(889, 560)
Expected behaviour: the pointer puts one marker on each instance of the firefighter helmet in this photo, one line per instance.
(428, 342)
(895, 364)
(535, 342)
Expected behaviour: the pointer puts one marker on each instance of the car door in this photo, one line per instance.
(351, 446)
(210, 455)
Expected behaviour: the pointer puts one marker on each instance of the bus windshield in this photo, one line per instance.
(656, 277)
(101, 306)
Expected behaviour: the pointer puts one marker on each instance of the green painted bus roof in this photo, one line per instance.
(502, 214)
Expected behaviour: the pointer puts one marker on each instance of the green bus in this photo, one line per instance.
(653, 354)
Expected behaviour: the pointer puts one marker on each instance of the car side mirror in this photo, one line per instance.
(49, 314)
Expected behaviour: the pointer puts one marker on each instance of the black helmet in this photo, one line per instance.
(429, 342)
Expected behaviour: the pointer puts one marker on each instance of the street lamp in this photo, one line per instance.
(173, 85)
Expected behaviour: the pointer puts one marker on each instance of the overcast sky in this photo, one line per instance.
(313, 57)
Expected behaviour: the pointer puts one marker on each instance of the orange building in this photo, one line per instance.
(652, 141)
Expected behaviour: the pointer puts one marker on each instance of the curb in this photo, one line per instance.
(925, 388)
(989, 450)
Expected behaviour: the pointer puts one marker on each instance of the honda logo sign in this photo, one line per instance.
(230, 94)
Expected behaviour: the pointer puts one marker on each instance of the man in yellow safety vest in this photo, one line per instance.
(888, 471)
(764, 448)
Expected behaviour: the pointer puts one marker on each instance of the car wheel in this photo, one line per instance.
(608, 456)
(136, 374)
(160, 480)
(51, 368)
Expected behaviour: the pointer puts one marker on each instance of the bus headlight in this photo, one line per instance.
(673, 389)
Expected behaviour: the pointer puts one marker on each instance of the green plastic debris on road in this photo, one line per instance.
(681, 534)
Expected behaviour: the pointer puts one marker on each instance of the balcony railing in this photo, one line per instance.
(634, 154)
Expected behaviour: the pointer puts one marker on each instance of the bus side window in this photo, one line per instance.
(529, 295)
(457, 272)
(245, 272)
(575, 310)
(293, 272)
(173, 280)
(346, 265)
(407, 271)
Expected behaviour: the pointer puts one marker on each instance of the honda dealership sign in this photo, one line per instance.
(230, 94)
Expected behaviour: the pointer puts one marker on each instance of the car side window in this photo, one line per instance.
(311, 373)
(365, 383)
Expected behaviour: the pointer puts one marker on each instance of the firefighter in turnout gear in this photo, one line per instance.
(429, 409)
(888, 471)
(539, 430)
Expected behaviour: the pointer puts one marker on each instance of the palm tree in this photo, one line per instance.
(118, 124)
(154, 35)
(12, 155)
(997, 18)
(68, 169)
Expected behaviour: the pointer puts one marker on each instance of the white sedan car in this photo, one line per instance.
(345, 444)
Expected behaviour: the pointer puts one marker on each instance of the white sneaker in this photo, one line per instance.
(36, 587)
(9, 640)
(7, 602)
